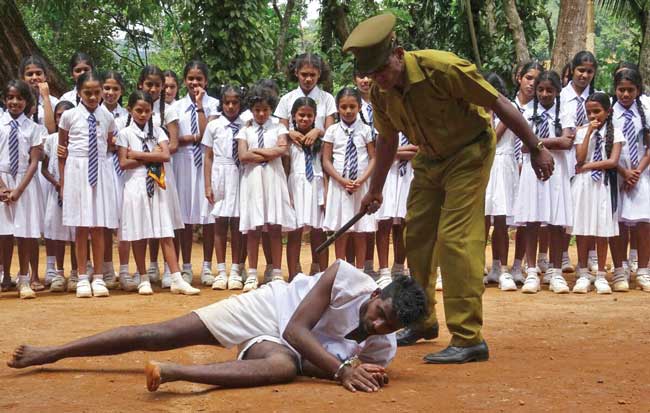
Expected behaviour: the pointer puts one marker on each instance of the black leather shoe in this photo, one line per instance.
(410, 335)
(459, 355)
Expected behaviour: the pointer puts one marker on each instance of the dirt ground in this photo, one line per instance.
(548, 353)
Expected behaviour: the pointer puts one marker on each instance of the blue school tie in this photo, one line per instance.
(630, 137)
(13, 148)
(235, 153)
(403, 140)
(581, 116)
(309, 163)
(92, 150)
(370, 115)
(542, 126)
(596, 174)
(350, 166)
(150, 183)
(116, 164)
(196, 146)
(260, 140)
(518, 143)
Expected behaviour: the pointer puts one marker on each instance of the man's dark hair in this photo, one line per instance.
(408, 298)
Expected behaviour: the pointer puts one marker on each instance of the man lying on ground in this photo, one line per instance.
(337, 325)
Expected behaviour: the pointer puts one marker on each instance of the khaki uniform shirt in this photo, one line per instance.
(441, 108)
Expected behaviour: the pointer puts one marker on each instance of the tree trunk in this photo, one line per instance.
(591, 27)
(16, 43)
(517, 30)
(282, 35)
(490, 18)
(472, 33)
(571, 32)
(644, 54)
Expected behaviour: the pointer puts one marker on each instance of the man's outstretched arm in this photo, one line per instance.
(298, 334)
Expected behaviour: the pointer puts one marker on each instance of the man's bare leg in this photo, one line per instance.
(265, 363)
(184, 331)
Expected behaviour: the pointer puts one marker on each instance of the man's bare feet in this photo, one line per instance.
(152, 373)
(25, 356)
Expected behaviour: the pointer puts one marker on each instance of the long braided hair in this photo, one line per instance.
(554, 78)
(37, 61)
(634, 77)
(532, 65)
(611, 175)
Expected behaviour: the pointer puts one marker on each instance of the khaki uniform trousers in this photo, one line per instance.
(446, 215)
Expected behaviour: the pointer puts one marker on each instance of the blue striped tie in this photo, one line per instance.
(235, 150)
(260, 140)
(518, 143)
(371, 122)
(149, 181)
(350, 167)
(596, 174)
(309, 163)
(92, 150)
(581, 116)
(630, 136)
(13, 148)
(196, 146)
(403, 140)
(542, 126)
(116, 164)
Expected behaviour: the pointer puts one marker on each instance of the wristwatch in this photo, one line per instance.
(539, 146)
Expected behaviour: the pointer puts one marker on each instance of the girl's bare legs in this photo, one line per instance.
(317, 237)
(601, 247)
(139, 253)
(220, 239)
(252, 248)
(275, 236)
(399, 249)
(293, 252)
(7, 253)
(383, 242)
(33, 256)
(341, 246)
(360, 241)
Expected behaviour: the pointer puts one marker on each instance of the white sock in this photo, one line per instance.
(177, 278)
(252, 272)
(187, 267)
(221, 266)
(384, 272)
(565, 256)
(207, 264)
(167, 270)
(516, 264)
(625, 264)
(98, 277)
(633, 254)
(593, 254)
(51, 260)
(277, 271)
(23, 279)
(235, 267)
(83, 277)
(153, 264)
(124, 269)
(496, 264)
(542, 256)
(532, 272)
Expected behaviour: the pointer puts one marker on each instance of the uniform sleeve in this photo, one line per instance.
(282, 130)
(580, 135)
(211, 134)
(282, 111)
(329, 135)
(213, 107)
(567, 118)
(618, 136)
(112, 126)
(379, 350)
(349, 284)
(466, 83)
(39, 135)
(242, 134)
(162, 136)
(122, 139)
(171, 114)
(66, 120)
(367, 135)
(330, 105)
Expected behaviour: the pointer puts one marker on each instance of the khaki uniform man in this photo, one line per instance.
(441, 103)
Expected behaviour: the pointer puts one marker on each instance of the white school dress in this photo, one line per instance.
(71, 96)
(84, 205)
(325, 105)
(548, 202)
(53, 227)
(592, 204)
(189, 177)
(635, 203)
(396, 188)
(503, 185)
(24, 218)
(144, 217)
(367, 116)
(569, 101)
(341, 206)
(264, 196)
(226, 171)
(40, 114)
(307, 195)
(112, 159)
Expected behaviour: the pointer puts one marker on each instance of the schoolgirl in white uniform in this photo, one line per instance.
(546, 202)
(194, 111)
(595, 189)
(264, 197)
(151, 81)
(306, 187)
(348, 158)
(630, 115)
(145, 215)
(88, 190)
(54, 232)
(222, 175)
(21, 209)
(80, 63)
(573, 97)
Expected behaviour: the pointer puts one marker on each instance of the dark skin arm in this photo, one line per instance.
(299, 335)
(34, 157)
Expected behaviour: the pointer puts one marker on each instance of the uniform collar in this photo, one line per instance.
(573, 94)
(265, 126)
(140, 133)
(619, 110)
(352, 127)
(187, 103)
(7, 118)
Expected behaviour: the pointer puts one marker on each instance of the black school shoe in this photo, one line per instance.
(459, 355)
(410, 335)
